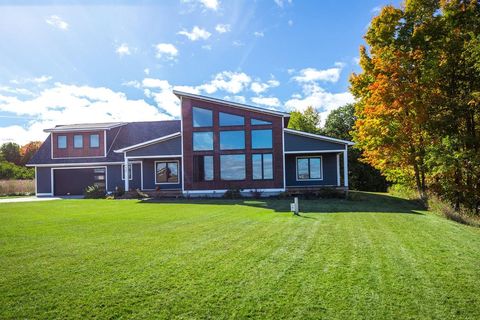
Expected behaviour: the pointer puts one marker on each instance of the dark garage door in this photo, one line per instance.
(74, 181)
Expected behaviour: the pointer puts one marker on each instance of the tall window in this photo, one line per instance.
(262, 139)
(130, 172)
(309, 168)
(94, 141)
(227, 119)
(202, 117)
(78, 141)
(262, 166)
(166, 172)
(232, 167)
(203, 168)
(202, 141)
(62, 142)
(232, 140)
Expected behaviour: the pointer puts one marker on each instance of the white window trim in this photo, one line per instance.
(130, 171)
(166, 161)
(308, 157)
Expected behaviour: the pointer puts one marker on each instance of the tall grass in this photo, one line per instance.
(17, 187)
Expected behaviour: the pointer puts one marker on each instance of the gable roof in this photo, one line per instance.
(318, 136)
(85, 126)
(181, 94)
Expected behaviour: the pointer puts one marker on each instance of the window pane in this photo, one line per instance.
(161, 173)
(202, 141)
(227, 119)
(302, 169)
(208, 168)
(62, 142)
(231, 140)
(201, 117)
(94, 141)
(232, 167)
(256, 122)
(267, 166)
(78, 141)
(172, 172)
(261, 139)
(315, 168)
(257, 166)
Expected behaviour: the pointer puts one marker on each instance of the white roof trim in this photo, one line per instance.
(85, 129)
(230, 103)
(147, 143)
(318, 136)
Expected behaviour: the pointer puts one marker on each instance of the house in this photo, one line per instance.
(217, 145)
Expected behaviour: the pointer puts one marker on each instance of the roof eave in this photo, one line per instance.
(320, 137)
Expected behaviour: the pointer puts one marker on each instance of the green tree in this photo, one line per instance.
(11, 152)
(362, 176)
(307, 121)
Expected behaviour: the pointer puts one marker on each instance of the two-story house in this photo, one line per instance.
(217, 145)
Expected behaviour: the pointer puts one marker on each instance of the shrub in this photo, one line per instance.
(119, 191)
(94, 192)
(9, 170)
(232, 194)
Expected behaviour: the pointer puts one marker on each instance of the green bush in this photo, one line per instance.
(94, 192)
(232, 194)
(9, 171)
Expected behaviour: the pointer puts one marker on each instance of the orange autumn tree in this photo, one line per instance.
(392, 104)
(27, 151)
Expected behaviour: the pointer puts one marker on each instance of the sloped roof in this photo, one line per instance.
(85, 126)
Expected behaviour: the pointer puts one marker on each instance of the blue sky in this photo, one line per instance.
(71, 62)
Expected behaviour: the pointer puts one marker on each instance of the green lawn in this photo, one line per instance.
(376, 258)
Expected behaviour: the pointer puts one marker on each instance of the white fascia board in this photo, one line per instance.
(319, 137)
(83, 129)
(230, 103)
(89, 164)
(147, 143)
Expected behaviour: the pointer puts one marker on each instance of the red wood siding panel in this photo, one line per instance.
(86, 151)
(216, 184)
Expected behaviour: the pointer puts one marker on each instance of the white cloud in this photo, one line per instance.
(161, 92)
(376, 9)
(258, 34)
(326, 75)
(290, 22)
(270, 102)
(64, 103)
(210, 4)
(232, 82)
(16, 91)
(238, 99)
(132, 83)
(36, 80)
(320, 99)
(196, 34)
(146, 71)
(222, 28)
(166, 51)
(238, 43)
(356, 60)
(57, 22)
(259, 87)
(281, 3)
(123, 50)
(207, 47)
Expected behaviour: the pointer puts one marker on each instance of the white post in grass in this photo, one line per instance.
(345, 167)
(125, 171)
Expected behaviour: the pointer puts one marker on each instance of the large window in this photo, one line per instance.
(94, 141)
(203, 168)
(202, 141)
(202, 117)
(62, 142)
(78, 141)
(232, 140)
(262, 139)
(232, 167)
(309, 168)
(227, 119)
(166, 172)
(258, 122)
(130, 172)
(262, 166)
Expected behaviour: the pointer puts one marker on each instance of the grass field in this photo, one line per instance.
(377, 258)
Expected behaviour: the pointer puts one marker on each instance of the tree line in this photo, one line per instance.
(13, 159)
(418, 98)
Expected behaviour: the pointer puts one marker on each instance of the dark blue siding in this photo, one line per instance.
(115, 177)
(294, 142)
(329, 164)
(165, 148)
(149, 175)
(44, 180)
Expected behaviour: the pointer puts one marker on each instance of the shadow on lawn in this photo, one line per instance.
(362, 202)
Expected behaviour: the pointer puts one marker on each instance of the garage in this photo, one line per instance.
(73, 181)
